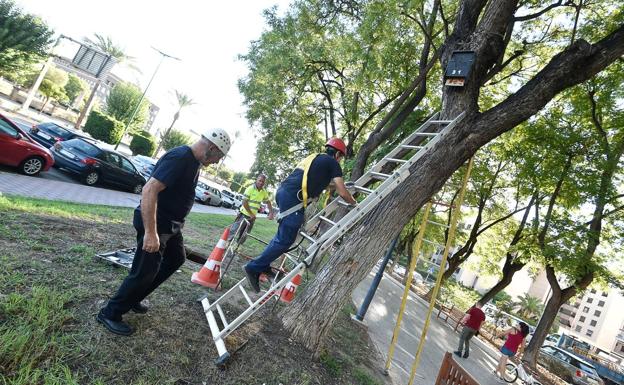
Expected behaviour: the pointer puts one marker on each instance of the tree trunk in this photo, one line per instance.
(508, 274)
(558, 298)
(311, 315)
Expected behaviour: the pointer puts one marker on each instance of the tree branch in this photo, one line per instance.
(540, 13)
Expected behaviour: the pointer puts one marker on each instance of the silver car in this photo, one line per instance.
(207, 195)
(577, 370)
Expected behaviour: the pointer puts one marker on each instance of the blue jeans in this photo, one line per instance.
(286, 232)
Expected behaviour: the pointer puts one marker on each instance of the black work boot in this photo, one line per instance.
(140, 308)
(117, 327)
(253, 278)
(466, 355)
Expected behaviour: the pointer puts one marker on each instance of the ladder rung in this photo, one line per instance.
(242, 289)
(380, 175)
(308, 237)
(411, 147)
(440, 121)
(433, 243)
(344, 204)
(327, 220)
(222, 316)
(396, 160)
(438, 223)
(364, 189)
(426, 133)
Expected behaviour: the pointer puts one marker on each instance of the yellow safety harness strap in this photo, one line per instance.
(305, 165)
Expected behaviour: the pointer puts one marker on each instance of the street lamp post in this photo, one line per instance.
(163, 56)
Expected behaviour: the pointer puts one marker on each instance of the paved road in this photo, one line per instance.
(381, 318)
(47, 188)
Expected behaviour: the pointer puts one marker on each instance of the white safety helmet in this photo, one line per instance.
(219, 137)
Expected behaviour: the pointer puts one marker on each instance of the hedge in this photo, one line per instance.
(143, 144)
(104, 127)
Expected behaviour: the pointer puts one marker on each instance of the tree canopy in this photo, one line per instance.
(121, 102)
(24, 38)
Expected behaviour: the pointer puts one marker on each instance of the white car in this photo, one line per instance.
(228, 199)
(207, 195)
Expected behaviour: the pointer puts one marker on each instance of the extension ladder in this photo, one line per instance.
(400, 159)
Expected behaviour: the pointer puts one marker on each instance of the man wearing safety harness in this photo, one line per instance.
(254, 196)
(307, 181)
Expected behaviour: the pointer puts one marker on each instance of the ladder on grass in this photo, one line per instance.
(376, 183)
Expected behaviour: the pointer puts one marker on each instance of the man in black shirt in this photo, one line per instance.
(291, 197)
(166, 200)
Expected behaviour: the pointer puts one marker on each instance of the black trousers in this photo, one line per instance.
(148, 270)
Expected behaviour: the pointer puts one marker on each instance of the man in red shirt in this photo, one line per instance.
(472, 322)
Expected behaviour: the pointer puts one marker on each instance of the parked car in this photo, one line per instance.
(239, 199)
(49, 133)
(207, 194)
(578, 371)
(97, 162)
(19, 150)
(144, 164)
(417, 279)
(228, 199)
(552, 339)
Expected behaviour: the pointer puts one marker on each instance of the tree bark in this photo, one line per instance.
(311, 315)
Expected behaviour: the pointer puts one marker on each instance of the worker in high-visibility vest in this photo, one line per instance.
(307, 181)
(253, 197)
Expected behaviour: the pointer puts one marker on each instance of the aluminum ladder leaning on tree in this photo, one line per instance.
(452, 227)
(375, 184)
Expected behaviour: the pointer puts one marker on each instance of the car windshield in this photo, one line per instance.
(56, 130)
(586, 368)
(82, 146)
(228, 194)
(202, 185)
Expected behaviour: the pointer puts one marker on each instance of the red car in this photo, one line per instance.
(19, 150)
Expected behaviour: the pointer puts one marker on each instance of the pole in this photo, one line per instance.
(136, 108)
(87, 106)
(138, 105)
(373, 287)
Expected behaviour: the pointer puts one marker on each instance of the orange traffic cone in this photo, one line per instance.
(288, 292)
(208, 275)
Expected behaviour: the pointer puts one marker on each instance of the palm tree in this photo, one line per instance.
(106, 45)
(183, 101)
(529, 307)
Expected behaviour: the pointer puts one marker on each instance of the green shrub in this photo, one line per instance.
(143, 144)
(174, 138)
(104, 127)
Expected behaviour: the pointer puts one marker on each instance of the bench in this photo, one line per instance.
(451, 313)
(451, 373)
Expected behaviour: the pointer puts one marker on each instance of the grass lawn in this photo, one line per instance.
(51, 288)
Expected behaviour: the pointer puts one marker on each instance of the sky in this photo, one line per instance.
(207, 36)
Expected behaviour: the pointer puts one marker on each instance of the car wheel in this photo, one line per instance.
(31, 166)
(138, 188)
(91, 178)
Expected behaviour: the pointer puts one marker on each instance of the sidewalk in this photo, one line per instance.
(381, 319)
(36, 187)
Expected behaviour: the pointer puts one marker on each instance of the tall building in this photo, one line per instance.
(596, 318)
